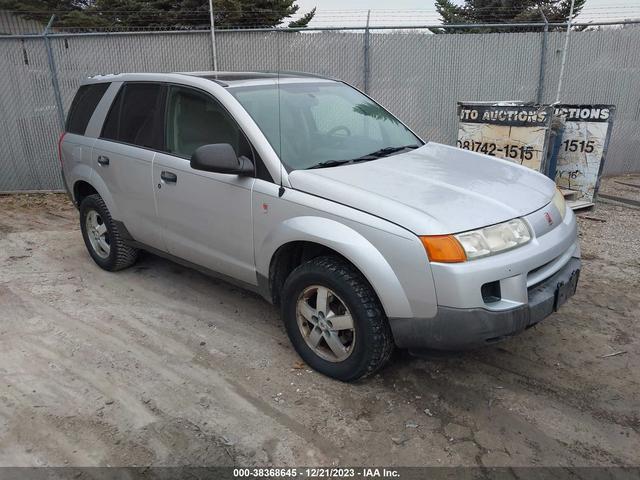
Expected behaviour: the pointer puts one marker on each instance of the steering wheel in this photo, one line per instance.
(339, 128)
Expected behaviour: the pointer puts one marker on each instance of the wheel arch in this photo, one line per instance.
(94, 185)
(301, 238)
(81, 190)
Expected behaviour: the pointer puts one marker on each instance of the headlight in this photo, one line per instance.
(494, 239)
(560, 203)
(477, 243)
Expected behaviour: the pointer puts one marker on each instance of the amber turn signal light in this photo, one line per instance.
(443, 248)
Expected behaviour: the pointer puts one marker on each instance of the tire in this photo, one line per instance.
(367, 346)
(109, 251)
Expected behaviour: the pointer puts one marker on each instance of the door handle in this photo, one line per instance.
(168, 177)
(102, 160)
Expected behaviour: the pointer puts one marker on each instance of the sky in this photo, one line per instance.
(343, 12)
(413, 4)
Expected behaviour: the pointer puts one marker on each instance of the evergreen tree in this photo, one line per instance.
(304, 20)
(503, 11)
(169, 14)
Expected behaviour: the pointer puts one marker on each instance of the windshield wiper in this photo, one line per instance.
(329, 163)
(383, 152)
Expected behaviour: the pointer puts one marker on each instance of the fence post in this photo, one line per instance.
(543, 59)
(367, 69)
(564, 53)
(213, 36)
(53, 72)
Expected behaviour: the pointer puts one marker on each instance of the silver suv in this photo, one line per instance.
(307, 191)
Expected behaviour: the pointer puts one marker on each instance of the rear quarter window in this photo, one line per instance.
(83, 106)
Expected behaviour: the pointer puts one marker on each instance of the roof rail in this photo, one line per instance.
(298, 74)
(219, 82)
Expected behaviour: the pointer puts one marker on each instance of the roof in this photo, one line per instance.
(233, 79)
(226, 79)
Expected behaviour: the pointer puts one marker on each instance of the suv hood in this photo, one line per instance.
(435, 189)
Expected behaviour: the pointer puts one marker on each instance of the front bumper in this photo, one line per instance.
(468, 328)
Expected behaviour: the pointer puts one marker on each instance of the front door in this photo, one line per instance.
(206, 217)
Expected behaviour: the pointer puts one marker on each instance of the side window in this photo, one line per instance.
(136, 116)
(83, 106)
(195, 119)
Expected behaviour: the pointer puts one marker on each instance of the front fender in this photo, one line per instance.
(348, 243)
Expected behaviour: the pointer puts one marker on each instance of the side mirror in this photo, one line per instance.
(220, 158)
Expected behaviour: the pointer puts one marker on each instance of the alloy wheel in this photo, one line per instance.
(97, 234)
(325, 323)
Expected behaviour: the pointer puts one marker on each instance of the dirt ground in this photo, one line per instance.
(160, 365)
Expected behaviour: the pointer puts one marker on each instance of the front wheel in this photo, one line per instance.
(334, 319)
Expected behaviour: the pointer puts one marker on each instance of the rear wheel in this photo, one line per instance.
(334, 319)
(101, 236)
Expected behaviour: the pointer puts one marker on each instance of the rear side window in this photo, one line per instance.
(136, 116)
(83, 106)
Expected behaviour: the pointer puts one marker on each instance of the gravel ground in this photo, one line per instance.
(160, 365)
(625, 186)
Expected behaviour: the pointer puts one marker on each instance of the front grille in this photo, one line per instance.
(541, 267)
(546, 270)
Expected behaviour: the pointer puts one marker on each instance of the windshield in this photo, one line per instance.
(323, 124)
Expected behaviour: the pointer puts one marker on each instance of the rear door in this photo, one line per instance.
(206, 216)
(123, 157)
(75, 147)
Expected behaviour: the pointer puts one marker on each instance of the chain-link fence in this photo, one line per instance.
(416, 74)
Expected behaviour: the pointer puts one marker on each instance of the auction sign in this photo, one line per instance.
(585, 136)
(514, 131)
